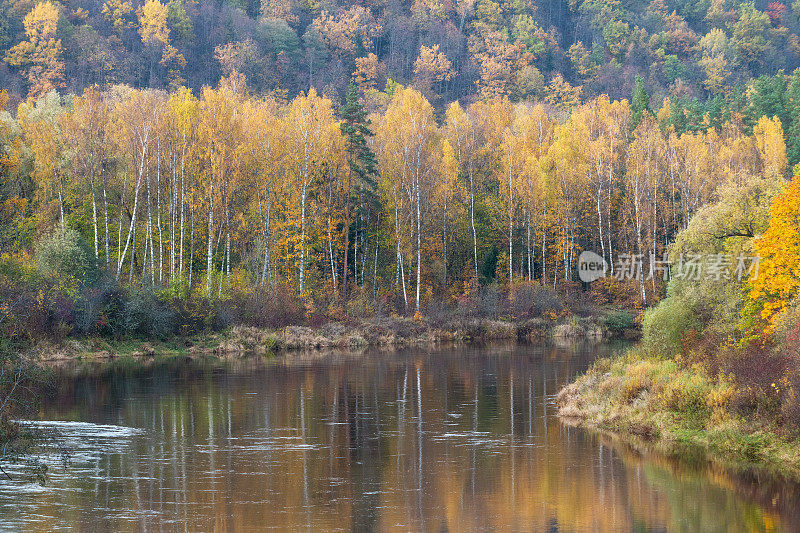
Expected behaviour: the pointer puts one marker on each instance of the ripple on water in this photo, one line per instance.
(86, 444)
(84, 429)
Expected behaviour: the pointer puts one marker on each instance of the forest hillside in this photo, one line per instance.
(314, 173)
(703, 55)
(283, 162)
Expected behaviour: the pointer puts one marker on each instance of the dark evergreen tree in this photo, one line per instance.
(767, 98)
(640, 102)
(792, 106)
(361, 185)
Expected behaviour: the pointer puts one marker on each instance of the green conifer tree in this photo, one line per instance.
(640, 102)
(361, 185)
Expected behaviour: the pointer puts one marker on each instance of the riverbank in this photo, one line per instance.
(679, 411)
(242, 413)
(242, 341)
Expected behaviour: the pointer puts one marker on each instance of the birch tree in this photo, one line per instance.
(311, 131)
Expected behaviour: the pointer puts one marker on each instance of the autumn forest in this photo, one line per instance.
(224, 189)
(218, 177)
(398, 156)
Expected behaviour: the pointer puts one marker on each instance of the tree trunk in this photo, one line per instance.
(375, 263)
(346, 242)
(209, 251)
(472, 219)
(183, 203)
(510, 223)
(132, 227)
(191, 249)
(444, 239)
(419, 237)
(302, 235)
(158, 217)
(528, 243)
(149, 234)
(105, 221)
(61, 199)
(544, 252)
(600, 221)
(94, 219)
(400, 275)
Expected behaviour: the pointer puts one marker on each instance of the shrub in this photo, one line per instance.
(275, 307)
(687, 394)
(481, 301)
(578, 301)
(790, 408)
(488, 302)
(358, 307)
(193, 314)
(759, 372)
(619, 321)
(664, 326)
(66, 258)
(532, 299)
(638, 377)
(612, 291)
(720, 396)
(438, 311)
(23, 315)
(146, 314)
(100, 308)
(790, 344)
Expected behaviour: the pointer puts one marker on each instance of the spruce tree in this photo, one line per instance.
(640, 102)
(792, 128)
(363, 164)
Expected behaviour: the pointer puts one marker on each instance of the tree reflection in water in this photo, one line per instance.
(448, 440)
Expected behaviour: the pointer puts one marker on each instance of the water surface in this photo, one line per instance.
(459, 439)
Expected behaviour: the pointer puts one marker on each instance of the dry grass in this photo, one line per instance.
(243, 341)
(672, 409)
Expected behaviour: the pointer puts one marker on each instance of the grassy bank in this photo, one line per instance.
(241, 341)
(717, 373)
(678, 410)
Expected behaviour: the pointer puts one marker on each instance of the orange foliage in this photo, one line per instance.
(778, 280)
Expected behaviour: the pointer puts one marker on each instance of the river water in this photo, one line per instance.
(457, 439)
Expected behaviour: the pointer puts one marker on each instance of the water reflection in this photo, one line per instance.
(455, 440)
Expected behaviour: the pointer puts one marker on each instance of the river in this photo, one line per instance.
(455, 439)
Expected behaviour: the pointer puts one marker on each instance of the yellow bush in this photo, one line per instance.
(719, 398)
(687, 394)
(638, 377)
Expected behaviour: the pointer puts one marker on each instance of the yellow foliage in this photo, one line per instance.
(778, 279)
(153, 23)
(687, 393)
(42, 21)
(719, 398)
(368, 71)
(432, 66)
(118, 12)
(769, 139)
(40, 55)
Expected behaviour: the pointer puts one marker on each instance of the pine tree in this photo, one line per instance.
(640, 102)
(793, 113)
(362, 162)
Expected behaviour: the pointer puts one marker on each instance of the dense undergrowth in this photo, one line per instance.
(60, 303)
(685, 410)
(61, 295)
(718, 368)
